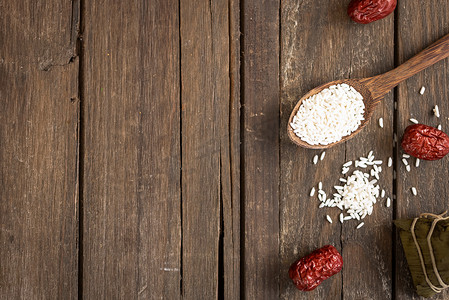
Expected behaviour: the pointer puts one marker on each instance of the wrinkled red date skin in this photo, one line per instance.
(425, 142)
(308, 272)
(367, 11)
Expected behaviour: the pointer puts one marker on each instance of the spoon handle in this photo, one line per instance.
(382, 84)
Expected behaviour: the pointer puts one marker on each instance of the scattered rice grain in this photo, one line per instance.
(315, 159)
(381, 122)
(407, 167)
(322, 155)
(390, 162)
(405, 155)
(414, 192)
(417, 162)
(329, 219)
(388, 202)
(312, 192)
(347, 164)
(405, 161)
(439, 127)
(414, 121)
(436, 111)
(422, 90)
(360, 225)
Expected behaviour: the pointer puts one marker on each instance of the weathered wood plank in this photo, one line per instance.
(319, 44)
(210, 149)
(419, 25)
(260, 138)
(132, 190)
(39, 116)
(231, 200)
(368, 272)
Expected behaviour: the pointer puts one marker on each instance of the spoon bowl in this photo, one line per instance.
(373, 89)
(368, 100)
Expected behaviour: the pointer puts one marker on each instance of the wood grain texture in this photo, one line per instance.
(39, 116)
(368, 272)
(426, 22)
(132, 189)
(260, 170)
(319, 44)
(210, 150)
(231, 201)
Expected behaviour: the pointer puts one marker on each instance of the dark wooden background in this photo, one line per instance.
(144, 155)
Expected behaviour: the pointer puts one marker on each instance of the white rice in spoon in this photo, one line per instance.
(329, 115)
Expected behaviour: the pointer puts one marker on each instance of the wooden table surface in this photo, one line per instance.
(144, 152)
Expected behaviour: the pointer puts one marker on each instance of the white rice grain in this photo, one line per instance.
(414, 121)
(388, 202)
(341, 218)
(436, 111)
(315, 159)
(422, 90)
(390, 162)
(407, 168)
(382, 194)
(329, 219)
(405, 155)
(417, 162)
(312, 192)
(381, 122)
(347, 164)
(360, 225)
(405, 162)
(414, 192)
(322, 155)
(320, 185)
(439, 127)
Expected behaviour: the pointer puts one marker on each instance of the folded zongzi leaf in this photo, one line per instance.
(434, 260)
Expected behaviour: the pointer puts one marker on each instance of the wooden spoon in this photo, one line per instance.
(373, 89)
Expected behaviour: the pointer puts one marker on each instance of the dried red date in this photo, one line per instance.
(308, 272)
(425, 142)
(367, 11)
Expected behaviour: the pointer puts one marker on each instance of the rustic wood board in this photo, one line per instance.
(132, 150)
(419, 25)
(319, 44)
(210, 149)
(148, 117)
(260, 146)
(39, 111)
(231, 191)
